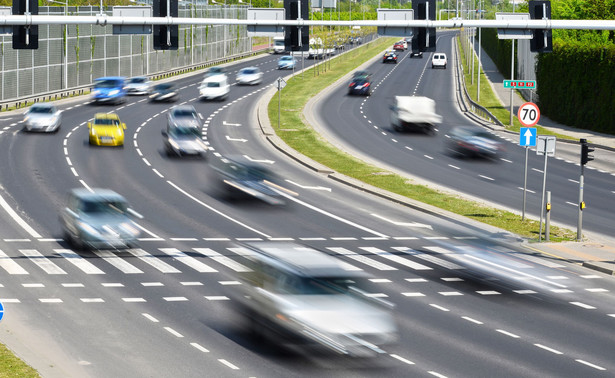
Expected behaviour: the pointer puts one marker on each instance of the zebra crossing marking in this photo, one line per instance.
(41, 261)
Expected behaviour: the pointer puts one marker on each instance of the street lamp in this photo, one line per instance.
(65, 41)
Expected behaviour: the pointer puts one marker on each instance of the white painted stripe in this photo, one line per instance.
(507, 333)
(229, 283)
(488, 292)
(395, 258)
(486, 177)
(16, 240)
(583, 305)
(78, 261)
(50, 300)
(362, 259)
(439, 307)
(561, 291)
(451, 279)
(450, 293)
(10, 300)
(226, 261)
(121, 264)
(516, 272)
(33, 285)
(152, 284)
(216, 239)
(548, 349)
(9, 265)
(188, 260)
(380, 280)
(416, 280)
(524, 291)
(402, 359)
(194, 283)
(175, 299)
(249, 239)
(436, 374)
(183, 239)
(225, 362)
(434, 259)
(612, 315)
(591, 276)
(134, 300)
(149, 317)
(597, 290)
(92, 300)
(73, 285)
(112, 284)
(590, 365)
(49, 240)
(342, 238)
(216, 298)
(42, 262)
(312, 239)
(405, 238)
(18, 219)
(197, 346)
(153, 261)
(173, 332)
(440, 250)
(472, 320)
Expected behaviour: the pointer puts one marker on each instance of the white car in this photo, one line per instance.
(214, 88)
(249, 76)
(438, 60)
(43, 117)
(139, 85)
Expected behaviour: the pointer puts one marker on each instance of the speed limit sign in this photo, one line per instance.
(528, 114)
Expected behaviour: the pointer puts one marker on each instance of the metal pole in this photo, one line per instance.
(548, 219)
(279, 84)
(479, 54)
(544, 184)
(66, 48)
(512, 77)
(527, 149)
(580, 219)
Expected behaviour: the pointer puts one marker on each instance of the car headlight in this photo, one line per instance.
(174, 144)
(88, 229)
(130, 228)
(114, 92)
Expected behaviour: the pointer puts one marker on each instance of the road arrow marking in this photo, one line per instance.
(236, 140)
(259, 161)
(230, 124)
(309, 187)
(406, 224)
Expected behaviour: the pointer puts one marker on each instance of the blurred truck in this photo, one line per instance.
(416, 113)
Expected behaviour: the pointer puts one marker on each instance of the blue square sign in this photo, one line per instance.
(527, 136)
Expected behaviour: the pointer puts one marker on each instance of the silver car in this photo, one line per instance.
(43, 117)
(299, 293)
(98, 219)
(474, 141)
(184, 116)
(249, 76)
(183, 140)
(139, 85)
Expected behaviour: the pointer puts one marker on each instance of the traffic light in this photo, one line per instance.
(292, 34)
(424, 39)
(585, 152)
(25, 36)
(166, 37)
(542, 40)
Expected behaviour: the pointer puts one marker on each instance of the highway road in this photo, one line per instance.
(470, 301)
(363, 125)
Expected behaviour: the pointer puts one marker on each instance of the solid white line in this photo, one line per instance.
(149, 317)
(225, 362)
(18, 219)
(549, 349)
(173, 332)
(590, 365)
(507, 333)
(197, 346)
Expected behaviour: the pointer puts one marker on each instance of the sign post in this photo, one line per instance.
(546, 147)
(281, 84)
(527, 138)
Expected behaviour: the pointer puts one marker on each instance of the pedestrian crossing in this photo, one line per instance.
(167, 260)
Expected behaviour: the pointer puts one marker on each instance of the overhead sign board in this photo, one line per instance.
(521, 84)
(324, 4)
(132, 11)
(527, 136)
(395, 15)
(545, 144)
(513, 33)
(266, 14)
(528, 114)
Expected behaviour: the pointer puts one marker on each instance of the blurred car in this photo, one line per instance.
(214, 88)
(416, 54)
(109, 89)
(361, 74)
(408, 41)
(183, 141)
(165, 92)
(474, 141)
(438, 60)
(287, 62)
(301, 294)
(398, 46)
(98, 219)
(360, 86)
(213, 71)
(139, 85)
(243, 178)
(106, 130)
(249, 76)
(183, 116)
(355, 40)
(389, 57)
(43, 117)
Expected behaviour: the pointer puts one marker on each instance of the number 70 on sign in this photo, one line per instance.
(528, 114)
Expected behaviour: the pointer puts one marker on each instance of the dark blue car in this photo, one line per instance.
(109, 90)
(359, 86)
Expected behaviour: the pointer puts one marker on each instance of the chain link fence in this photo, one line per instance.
(73, 56)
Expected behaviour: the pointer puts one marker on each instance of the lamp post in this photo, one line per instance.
(65, 42)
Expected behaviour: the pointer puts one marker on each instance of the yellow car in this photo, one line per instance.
(106, 130)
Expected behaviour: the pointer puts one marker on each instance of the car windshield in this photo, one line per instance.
(184, 132)
(138, 80)
(248, 71)
(360, 81)
(106, 122)
(107, 84)
(42, 110)
(297, 285)
(184, 113)
(286, 58)
(163, 87)
(213, 84)
(103, 207)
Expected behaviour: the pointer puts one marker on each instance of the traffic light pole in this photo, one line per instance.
(581, 206)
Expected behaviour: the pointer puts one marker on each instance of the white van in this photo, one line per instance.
(214, 88)
(278, 45)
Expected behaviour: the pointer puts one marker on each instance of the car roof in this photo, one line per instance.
(97, 194)
(106, 116)
(111, 78)
(303, 260)
(215, 78)
(42, 105)
(183, 108)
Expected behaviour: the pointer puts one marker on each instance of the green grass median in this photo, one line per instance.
(301, 137)
(11, 366)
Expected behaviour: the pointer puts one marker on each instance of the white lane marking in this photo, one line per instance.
(450, 293)
(175, 299)
(236, 139)
(472, 320)
(590, 365)
(188, 260)
(92, 300)
(396, 258)
(199, 347)
(216, 211)
(16, 240)
(192, 283)
(436, 374)
(486, 177)
(33, 285)
(230, 124)
(571, 203)
(405, 224)
(78, 261)
(439, 307)
(154, 236)
(216, 298)
(525, 291)
(10, 300)
(50, 300)
(223, 260)
(153, 261)
(343, 220)
(112, 284)
(413, 280)
(42, 262)
(134, 300)
(225, 362)
(360, 258)
(308, 187)
(413, 294)
(402, 359)
(548, 349)
(430, 258)
(583, 305)
(508, 333)
(537, 170)
(18, 219)
(150, 318)
(590, 276)
(9, 265)
(575, 181)
(227, 283)
(152, 284)
(597, 290)
(453, 166)
(527, 190)
(118, 262)
(259, 161)
(506, 160)
(73, 285)
(173, 332)
(428, 157)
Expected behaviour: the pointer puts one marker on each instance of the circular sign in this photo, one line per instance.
(528, 114)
